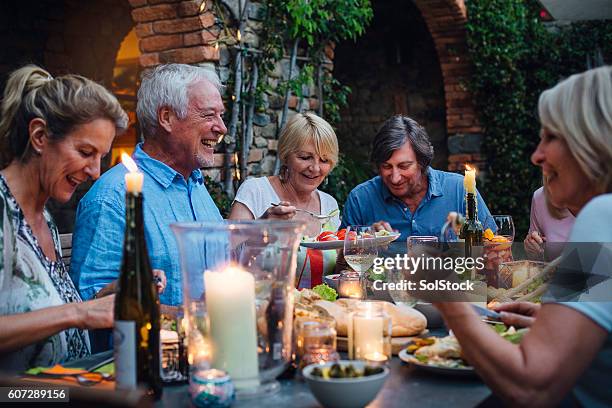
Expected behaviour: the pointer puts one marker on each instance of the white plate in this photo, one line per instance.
(339, 244)
(409, 358)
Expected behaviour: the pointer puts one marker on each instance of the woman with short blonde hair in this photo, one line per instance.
(308, 151)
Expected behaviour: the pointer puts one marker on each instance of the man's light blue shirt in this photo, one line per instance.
(372, 201)
(100, 224)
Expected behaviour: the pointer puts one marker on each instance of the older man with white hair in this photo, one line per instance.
(179, 110)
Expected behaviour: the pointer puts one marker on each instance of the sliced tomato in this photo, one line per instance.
(327, 236)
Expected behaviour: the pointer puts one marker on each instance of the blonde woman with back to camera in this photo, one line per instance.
(569, 345)
(53, 133)
(308, 151)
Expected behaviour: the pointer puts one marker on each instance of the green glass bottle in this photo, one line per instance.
(137, 317)
(471, 231)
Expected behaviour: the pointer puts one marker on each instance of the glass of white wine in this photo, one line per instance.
(360, 248)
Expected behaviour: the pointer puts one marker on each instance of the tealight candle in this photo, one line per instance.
(134, 178)
(349, 285)
(375, 359)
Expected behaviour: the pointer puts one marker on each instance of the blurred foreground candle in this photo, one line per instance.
(469, 181)
(230, 303)
(134, 178)
(369, 332)
(349, 285)
(211, 388)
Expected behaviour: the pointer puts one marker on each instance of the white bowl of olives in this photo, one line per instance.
(346, 383)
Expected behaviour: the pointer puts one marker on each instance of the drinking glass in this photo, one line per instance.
(418, 244)
(360, 248)
(505, 226)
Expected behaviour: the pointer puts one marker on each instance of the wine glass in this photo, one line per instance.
(505, 226)
(360, 248)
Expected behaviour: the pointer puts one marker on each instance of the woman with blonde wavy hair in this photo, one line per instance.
(53, 133)
(569, 344)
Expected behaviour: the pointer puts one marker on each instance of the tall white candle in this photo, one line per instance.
(469, 181)
(230, 304)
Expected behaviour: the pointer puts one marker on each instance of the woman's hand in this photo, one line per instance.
(97, 313)
(283, 211)
(521, 314)
(534, 243)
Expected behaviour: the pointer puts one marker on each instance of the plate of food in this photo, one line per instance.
(335, 240)
(443, 355)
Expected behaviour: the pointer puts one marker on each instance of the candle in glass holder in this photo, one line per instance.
(349, 285)
(376, 359)
(230, 303)
(315, 340)
(369, 332)
(211, 388)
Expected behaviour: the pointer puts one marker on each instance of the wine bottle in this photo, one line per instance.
(471, 231)
(137, 316)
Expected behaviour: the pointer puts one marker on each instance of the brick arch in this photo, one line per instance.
(446, 21)
(175, 31)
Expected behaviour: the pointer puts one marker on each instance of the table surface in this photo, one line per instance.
(406, 386)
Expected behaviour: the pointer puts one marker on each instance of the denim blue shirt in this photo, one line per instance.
(100, 225)
(372, 201)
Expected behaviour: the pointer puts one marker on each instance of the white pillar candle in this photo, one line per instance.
(368, 335)
(230, 304)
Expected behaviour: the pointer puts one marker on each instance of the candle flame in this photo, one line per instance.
(128, 162)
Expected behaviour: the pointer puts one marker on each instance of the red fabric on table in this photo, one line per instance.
(316, 266)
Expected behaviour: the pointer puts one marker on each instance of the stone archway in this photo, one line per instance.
(446, 22)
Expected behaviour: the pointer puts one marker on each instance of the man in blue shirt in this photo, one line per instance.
(179, 109)
(407, 195)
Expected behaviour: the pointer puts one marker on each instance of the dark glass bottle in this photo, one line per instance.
(137, 317)
(471, 231)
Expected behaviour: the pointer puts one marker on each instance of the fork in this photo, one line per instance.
(317, 216)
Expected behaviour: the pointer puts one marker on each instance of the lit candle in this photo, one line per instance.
(134, 178)
(469, 181)
(349, 285)
(230, 303)
(367, 333)
(376, 358)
